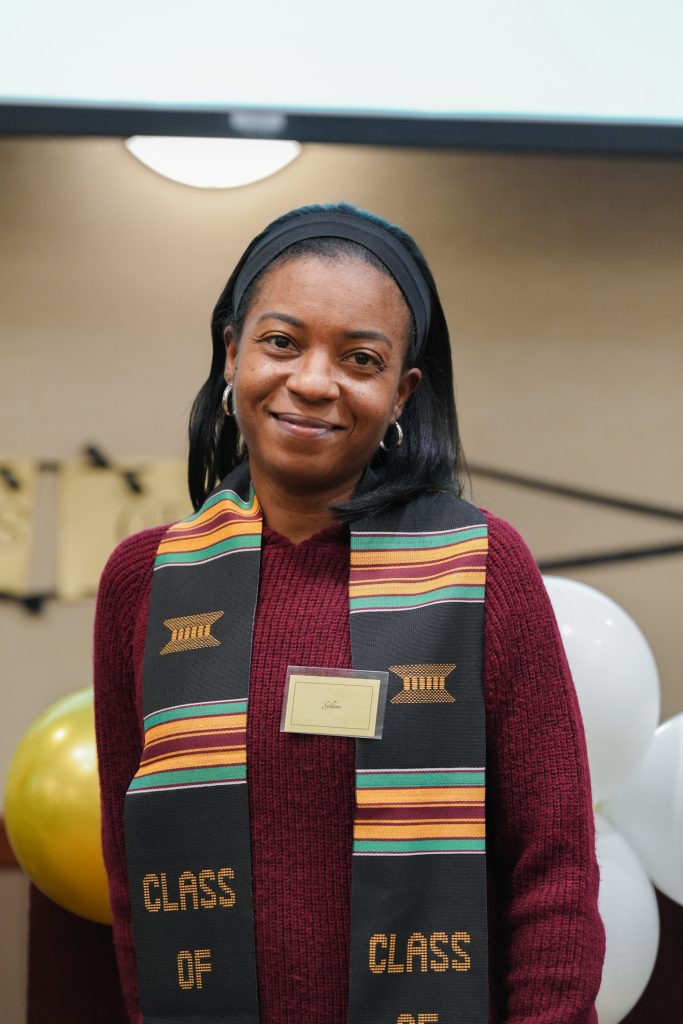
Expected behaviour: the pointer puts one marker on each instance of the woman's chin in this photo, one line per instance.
(303, 473)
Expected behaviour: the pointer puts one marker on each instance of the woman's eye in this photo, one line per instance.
(365, 359)
(280, 341)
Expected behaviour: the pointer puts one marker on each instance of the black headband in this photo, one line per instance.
(382, 243)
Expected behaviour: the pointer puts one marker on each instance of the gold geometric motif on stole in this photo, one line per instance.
(422, 684)
(188, 632)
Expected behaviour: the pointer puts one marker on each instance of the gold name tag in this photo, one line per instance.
(334, 702)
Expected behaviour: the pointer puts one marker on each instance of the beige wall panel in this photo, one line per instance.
(561, 276)
(562, 279)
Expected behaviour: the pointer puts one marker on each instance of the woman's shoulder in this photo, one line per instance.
(519, 614)
(512, 571)
(504, 538)
(128, 569)
(122, 603)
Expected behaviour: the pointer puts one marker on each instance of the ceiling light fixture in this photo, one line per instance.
(212, 163)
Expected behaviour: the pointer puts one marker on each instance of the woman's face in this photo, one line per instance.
(318, 371)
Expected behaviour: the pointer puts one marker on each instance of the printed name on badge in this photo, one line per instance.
(334, 702)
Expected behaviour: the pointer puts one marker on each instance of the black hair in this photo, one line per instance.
(430, 459)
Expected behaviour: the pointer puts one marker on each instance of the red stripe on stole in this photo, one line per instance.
(195, 741)
(422, 571)
(222, 519)
(431, 811)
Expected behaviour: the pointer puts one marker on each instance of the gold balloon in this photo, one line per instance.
(52, 808)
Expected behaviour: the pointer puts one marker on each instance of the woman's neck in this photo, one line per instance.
(298, 514)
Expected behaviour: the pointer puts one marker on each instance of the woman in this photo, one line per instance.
(413, 839)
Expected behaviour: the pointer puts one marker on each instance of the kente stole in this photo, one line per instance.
(419, 914)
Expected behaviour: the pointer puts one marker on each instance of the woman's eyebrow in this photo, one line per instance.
(287, 317)
(372, 335)
(295, 322)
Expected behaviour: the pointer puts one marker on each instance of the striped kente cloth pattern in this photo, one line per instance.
(419, 811)
(193, 745)
(402, 571)
(224, 525)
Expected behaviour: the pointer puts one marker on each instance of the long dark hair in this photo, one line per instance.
(430, 459)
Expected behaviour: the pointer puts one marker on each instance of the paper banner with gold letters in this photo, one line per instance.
(17, 504)
(98, 508)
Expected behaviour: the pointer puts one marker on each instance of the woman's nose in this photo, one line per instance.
(313, 378)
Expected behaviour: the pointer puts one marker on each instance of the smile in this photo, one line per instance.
(304, 426)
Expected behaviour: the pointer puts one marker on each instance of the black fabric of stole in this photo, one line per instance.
(198, 828)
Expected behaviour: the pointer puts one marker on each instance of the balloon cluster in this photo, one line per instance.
(637, 781)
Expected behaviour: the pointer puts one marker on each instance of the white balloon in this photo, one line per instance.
(615, 676)
(648, 809)
(629, 912)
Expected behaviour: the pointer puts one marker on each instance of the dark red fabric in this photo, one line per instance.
(71, 972)
(546, 938)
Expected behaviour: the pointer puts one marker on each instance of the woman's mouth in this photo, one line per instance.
(304, 426)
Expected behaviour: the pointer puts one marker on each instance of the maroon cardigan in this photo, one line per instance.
(546, 938)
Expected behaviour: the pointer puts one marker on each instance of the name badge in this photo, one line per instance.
(334, 702)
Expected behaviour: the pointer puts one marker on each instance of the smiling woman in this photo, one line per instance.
(332, 562)
(319, 375)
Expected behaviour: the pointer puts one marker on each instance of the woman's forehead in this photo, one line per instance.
(340, 287)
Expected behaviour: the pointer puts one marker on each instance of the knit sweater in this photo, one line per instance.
(546, 938)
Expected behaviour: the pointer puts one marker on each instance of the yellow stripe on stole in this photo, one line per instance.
(236, 755)
(417, 586)
(417, 556)
(411, 821)
(418, 796)
(212, 723)
(205, 540)
(459, 830)
(175, 755)
(431, 572)
(213, 512)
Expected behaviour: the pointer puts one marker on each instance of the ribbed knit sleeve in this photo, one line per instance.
(117, 649)
(550, 940)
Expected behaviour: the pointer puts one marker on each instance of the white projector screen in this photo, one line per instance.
(595, 74)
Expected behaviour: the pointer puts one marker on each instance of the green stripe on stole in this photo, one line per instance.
(428, 539)
(418, 931)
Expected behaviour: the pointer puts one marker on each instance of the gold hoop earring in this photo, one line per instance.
(399, 439)
(225, 401)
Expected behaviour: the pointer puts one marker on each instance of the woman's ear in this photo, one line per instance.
(230, 353)
(407, 384)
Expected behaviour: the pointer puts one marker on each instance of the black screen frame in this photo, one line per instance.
(554, 136)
